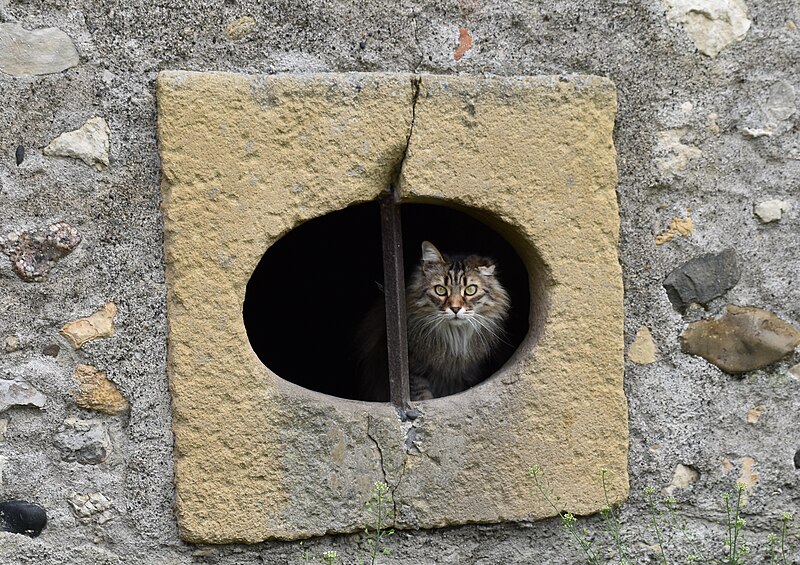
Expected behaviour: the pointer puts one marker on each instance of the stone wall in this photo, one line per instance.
(708, 153)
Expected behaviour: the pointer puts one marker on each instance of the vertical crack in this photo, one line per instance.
(378, 446)
(392, 488)
(416, 84)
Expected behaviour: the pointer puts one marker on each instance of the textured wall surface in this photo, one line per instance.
(708, 151)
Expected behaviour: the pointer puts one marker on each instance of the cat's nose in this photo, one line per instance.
(455, 309)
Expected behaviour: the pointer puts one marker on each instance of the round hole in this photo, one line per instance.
(313, 288)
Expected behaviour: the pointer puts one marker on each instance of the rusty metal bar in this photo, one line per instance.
(395, 298)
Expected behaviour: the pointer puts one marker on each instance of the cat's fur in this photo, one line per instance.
(451, 337)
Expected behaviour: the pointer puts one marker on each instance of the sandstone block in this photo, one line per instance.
(261, 458)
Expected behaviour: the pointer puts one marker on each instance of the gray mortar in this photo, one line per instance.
(690, 409)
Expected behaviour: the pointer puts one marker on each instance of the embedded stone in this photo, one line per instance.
(99, 324)
(675, 155)
(742, 340)
(97, 392)
(754, 414)
(20, 517)
(36, 52)
(782, 100)
(794, 371)
(702, 279)
(33, 254)
(770, 210)
(93, 507)
(712, 25)
(51, 350)
(748, 477)
(643, 349)
(682, 227)
(84, 441)
(683, 477)
(464, 43)
(303, 464)
(12, 344)
(238, 29)
(90, 144)
(19, 393)
(755, 133)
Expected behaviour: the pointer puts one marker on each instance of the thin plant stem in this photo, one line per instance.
(650, 493)
(612, 522)
(567, 519)
(689, 536)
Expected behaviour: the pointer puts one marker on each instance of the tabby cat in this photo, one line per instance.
(456, 312)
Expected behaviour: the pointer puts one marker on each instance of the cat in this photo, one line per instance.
(456, 310)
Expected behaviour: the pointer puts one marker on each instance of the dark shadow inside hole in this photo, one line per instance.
(313, 287)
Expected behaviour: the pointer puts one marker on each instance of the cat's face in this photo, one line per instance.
(459, 292)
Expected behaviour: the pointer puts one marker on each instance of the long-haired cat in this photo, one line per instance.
(456, 311)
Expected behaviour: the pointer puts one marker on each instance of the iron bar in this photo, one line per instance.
(395, 298)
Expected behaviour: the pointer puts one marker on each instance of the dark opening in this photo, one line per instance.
(314, 286)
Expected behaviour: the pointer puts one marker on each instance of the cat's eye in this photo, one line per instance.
(470, 290)
(440, 290)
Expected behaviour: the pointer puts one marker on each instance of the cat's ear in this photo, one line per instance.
(430, 255)
(486, 270)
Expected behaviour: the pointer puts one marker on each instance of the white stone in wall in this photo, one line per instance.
(711, 24)
(19, 393)
(770, 210)
(675, 155)
(36, 52)
(781, 102)
(91, 507)
(683, 477)
(90, 144)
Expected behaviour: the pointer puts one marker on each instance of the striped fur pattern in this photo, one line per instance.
(456, 312)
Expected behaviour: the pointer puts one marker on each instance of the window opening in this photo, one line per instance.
(315, 285)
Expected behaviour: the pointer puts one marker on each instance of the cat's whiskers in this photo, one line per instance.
(475, 324)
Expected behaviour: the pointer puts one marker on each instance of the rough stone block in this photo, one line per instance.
(260, 458)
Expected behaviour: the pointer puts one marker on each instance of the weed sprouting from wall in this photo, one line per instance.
(663, 518)
(380, 509)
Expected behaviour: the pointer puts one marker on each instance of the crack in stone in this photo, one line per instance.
(416, 83)
(378, 446)
(383, 468)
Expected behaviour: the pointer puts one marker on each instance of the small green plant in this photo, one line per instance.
(305, 555)
(680, 525)
(612, 523)
(777, 544)
(655, 516)
(663, 518)
(568, 520)
(330, 557)
(736, 548)
(380, 508)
